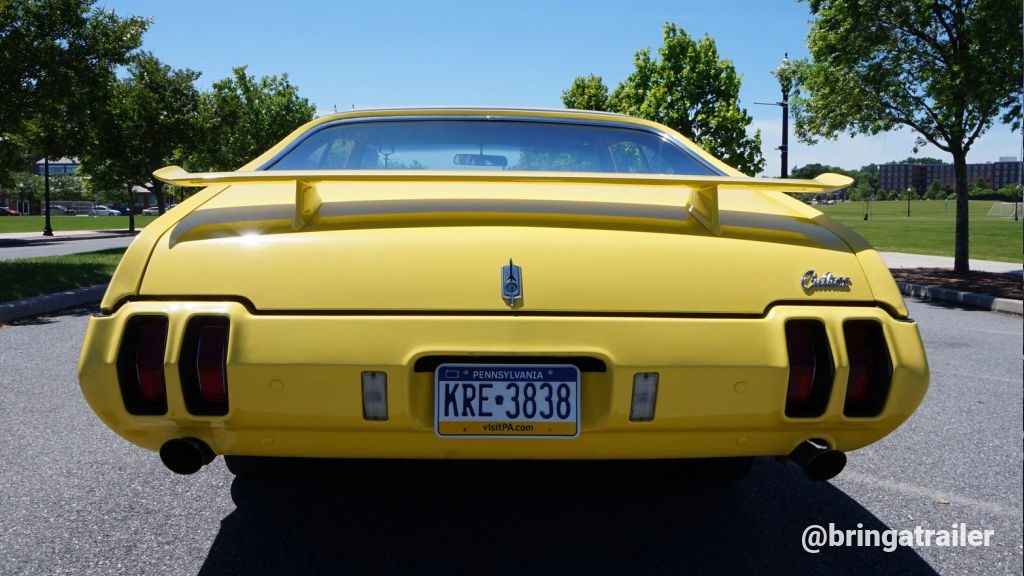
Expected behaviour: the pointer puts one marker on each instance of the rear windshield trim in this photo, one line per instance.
(495, 118)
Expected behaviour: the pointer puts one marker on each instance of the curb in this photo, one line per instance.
(100, 235)
(18, 309)
(975, 300)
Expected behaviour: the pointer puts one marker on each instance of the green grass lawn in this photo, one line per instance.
(64, 223)
(930, 228)
(34, 276)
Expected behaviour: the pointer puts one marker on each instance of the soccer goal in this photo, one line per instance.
(1004, 210)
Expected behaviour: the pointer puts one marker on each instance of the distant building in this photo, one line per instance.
(993, 175)
(58, 166)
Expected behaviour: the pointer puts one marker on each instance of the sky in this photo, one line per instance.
(441, 52)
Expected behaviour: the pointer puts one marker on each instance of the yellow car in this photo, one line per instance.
(499, 284)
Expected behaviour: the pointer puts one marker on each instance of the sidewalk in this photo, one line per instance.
(900, 260)
(926, 289)
(22, 238)
(20, 245)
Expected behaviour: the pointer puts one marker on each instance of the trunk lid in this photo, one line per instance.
(607, 246)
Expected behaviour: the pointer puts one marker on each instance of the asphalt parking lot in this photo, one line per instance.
(77, 499)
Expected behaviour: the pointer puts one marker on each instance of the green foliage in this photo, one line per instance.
(935, 191)
(868, 174)
(66, 187)
(242, 117)
(865, 179)
(151, 117)
(811, 171)
(24, 186)
(946, 69)
(1011, 192)
(689, 89)
(58, 59)
(586, 93)
(540, 159)
(862, 191)
(922, 160)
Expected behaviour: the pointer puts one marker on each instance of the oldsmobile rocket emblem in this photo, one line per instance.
(511, 283)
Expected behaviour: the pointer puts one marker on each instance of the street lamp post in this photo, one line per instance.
(786, 76)
(131, 209)
(47, 229)
(909, 190)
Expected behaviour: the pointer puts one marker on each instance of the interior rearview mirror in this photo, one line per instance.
(480, 160)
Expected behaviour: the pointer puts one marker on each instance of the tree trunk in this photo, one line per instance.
(961, 264)
(158, 191)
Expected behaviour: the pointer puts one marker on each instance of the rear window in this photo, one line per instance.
(487, 145)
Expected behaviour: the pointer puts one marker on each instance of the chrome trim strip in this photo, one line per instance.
(490, 117)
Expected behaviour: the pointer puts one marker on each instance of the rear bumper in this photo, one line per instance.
(294, 383)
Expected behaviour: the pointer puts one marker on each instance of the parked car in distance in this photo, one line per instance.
(459, 283)
(4, 211)
(154, 211)
(102, 210)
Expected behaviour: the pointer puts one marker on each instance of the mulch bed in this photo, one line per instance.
(994, 284)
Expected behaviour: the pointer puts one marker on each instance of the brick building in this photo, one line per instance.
(994, 175)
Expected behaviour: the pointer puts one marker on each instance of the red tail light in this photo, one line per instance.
(860, 381)
(211, 363)
(870, 368)
(810, 369)
(140, 365)
(203, 366)
(800, 341)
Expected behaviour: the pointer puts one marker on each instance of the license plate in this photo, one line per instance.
(506, 400)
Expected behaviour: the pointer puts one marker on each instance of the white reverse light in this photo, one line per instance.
(375, 395)
(645, 393)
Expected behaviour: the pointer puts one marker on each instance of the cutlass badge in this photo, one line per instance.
(811, 281)
(511, 283)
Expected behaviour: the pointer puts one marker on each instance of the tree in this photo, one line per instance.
(922, 160)
(862, 191)
(586, 93)
(242, 117)
(868, 174)
(25, 186)
(813, 170)
(67, 187)
(935, 191)
(57, 58)
(1011, 192)
(947, 69)
(149, 120)
(689, 89)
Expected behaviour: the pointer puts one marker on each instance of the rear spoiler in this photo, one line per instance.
(702, 203)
